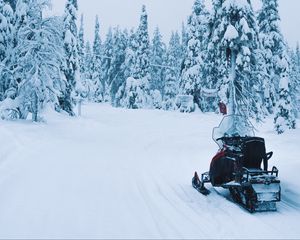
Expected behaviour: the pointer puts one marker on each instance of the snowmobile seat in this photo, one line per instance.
(254, 151)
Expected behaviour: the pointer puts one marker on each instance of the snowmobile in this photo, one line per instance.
(238, 167)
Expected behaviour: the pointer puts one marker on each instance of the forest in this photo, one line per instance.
(231, 55)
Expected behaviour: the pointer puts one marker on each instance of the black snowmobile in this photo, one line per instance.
(238, 167)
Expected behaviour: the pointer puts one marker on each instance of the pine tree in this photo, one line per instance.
(81, 47)
(130, 53)
(107, 64)
(158, 51)
(9, 83)
(40, 55)
(184, 41)
(6, 16)
(121, 95)
(97, 62)
(215, 70)
(117, 71)
(81, 90)
(142, 59)
(136, 91)
(285, 117)
(21, 17)
(274, 47)
(196, 35)
(234, 45)
(71, 66)
(173, 61)
(4, 32)
(88, 66)
(297, 78)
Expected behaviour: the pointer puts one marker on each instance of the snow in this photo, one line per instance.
(231, 33)
(116, 173)
(245, 26)
(284, 83)
(239, 4)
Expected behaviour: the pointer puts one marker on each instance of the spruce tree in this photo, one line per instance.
(274, 48)
(158, 51)
(40, 55)
(121, 96)
(9, 83)
(196, 36)
(172, 72)
(4, 32)
(215, 70)
(285, 118)
(97, 62)
(136, 91)
(117, 71)
(81, 47)
(184, 41)
(71, 67)
(81, 84)
(234, 44)
(106, 65)
(141, 68)
(6, 16)
(88, 66)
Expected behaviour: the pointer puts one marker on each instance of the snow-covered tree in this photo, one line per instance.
(39, 57)
(158, 51)
(6, 37)
(142, 58)
(136, 90)
(96, 67)
(21, 16)
(88, 72)
(81, 47)
(196, 36)
(184, 40)
(172, 72)
(4, 32)
(82, 88)
(71, 66)
(117, 70)
(296, 77)
(274, 47)
(234, 35)
(106, 65)
(130, 52)
(128, 66)
(12, 3)
(285, 118)
(9, 79)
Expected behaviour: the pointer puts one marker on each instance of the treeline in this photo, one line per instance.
(231, 55)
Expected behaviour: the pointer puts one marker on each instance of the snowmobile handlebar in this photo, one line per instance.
(229, 138)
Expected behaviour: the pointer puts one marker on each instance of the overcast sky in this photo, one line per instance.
(168, 15)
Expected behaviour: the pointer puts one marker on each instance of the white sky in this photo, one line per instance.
(168, 15)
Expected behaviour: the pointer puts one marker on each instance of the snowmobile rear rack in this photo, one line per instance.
(258, 172)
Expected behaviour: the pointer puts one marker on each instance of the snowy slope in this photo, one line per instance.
(118, 173)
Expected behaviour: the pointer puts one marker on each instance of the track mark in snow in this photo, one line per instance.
(291, 199)
(153, 210)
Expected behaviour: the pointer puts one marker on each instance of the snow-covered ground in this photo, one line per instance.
(116, 173)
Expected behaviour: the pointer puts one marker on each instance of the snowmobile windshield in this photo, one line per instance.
(233, 126)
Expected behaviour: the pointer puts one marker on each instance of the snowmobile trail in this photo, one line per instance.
(118, 173)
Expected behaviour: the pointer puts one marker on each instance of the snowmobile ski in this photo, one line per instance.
(199, 186)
